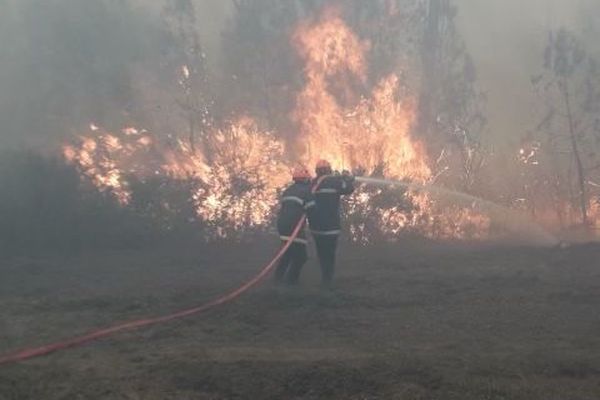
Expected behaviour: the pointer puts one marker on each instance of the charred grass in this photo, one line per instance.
(410, 321)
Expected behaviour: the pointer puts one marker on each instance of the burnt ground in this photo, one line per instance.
(408, 321)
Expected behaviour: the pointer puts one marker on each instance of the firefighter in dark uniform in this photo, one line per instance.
(296, 201)
(324, 222)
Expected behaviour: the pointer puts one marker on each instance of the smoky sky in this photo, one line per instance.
(506, 39)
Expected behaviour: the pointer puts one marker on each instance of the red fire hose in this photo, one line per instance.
(101, 333)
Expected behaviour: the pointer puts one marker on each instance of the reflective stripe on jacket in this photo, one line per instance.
(296, 200)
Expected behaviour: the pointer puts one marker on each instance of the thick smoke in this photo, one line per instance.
(66, 62)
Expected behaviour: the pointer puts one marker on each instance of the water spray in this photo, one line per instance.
(513, 221)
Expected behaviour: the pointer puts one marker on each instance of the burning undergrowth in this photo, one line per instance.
(231, 181)
(233, 190)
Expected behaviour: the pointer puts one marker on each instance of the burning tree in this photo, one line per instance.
(266, 71)
(341, 110)
(570, 127)
(342, 118)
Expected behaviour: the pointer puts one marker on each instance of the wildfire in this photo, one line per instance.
(247, 169)
(528, 154)
(106, 158)
(549, 207)
(339, 124)
(235, 174)
(236, 188)
(368, 133)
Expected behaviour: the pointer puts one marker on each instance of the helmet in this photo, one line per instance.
(323, 166)
(300, 173)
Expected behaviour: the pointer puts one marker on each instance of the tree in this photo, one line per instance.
(570, 87)
(451, 108)
(265, 68)
(259, 59)
(451, 120)
(195, 100)
(590, 20)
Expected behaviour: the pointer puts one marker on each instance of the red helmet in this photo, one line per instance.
(301, 173)
(323, 165)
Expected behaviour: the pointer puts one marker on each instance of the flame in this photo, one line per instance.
(105, 158)
(528, 154)
(371, 133)
(246, 171)
(554, 210)
(235, 189)
(235, 176)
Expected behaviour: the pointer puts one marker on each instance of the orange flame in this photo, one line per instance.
(246, 171)
(237, 175)
(370, 133)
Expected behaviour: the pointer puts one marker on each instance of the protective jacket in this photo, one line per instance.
(325, 220)
(296, 200)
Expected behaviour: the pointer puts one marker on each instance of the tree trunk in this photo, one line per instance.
(430, 53)
(577, 155)
(558, 205)
(266, 88)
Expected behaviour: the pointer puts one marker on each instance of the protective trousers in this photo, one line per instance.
(291, 264)
(326, 249)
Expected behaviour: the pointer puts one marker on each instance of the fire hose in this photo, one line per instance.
(30, 353)
(127, 326)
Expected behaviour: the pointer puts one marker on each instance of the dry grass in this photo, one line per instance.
(415, 321)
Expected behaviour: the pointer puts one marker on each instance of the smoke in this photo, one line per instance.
(506, 39)
(66, 62)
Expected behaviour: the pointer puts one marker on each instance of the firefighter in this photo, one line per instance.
(296, 201)
(325, 220)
